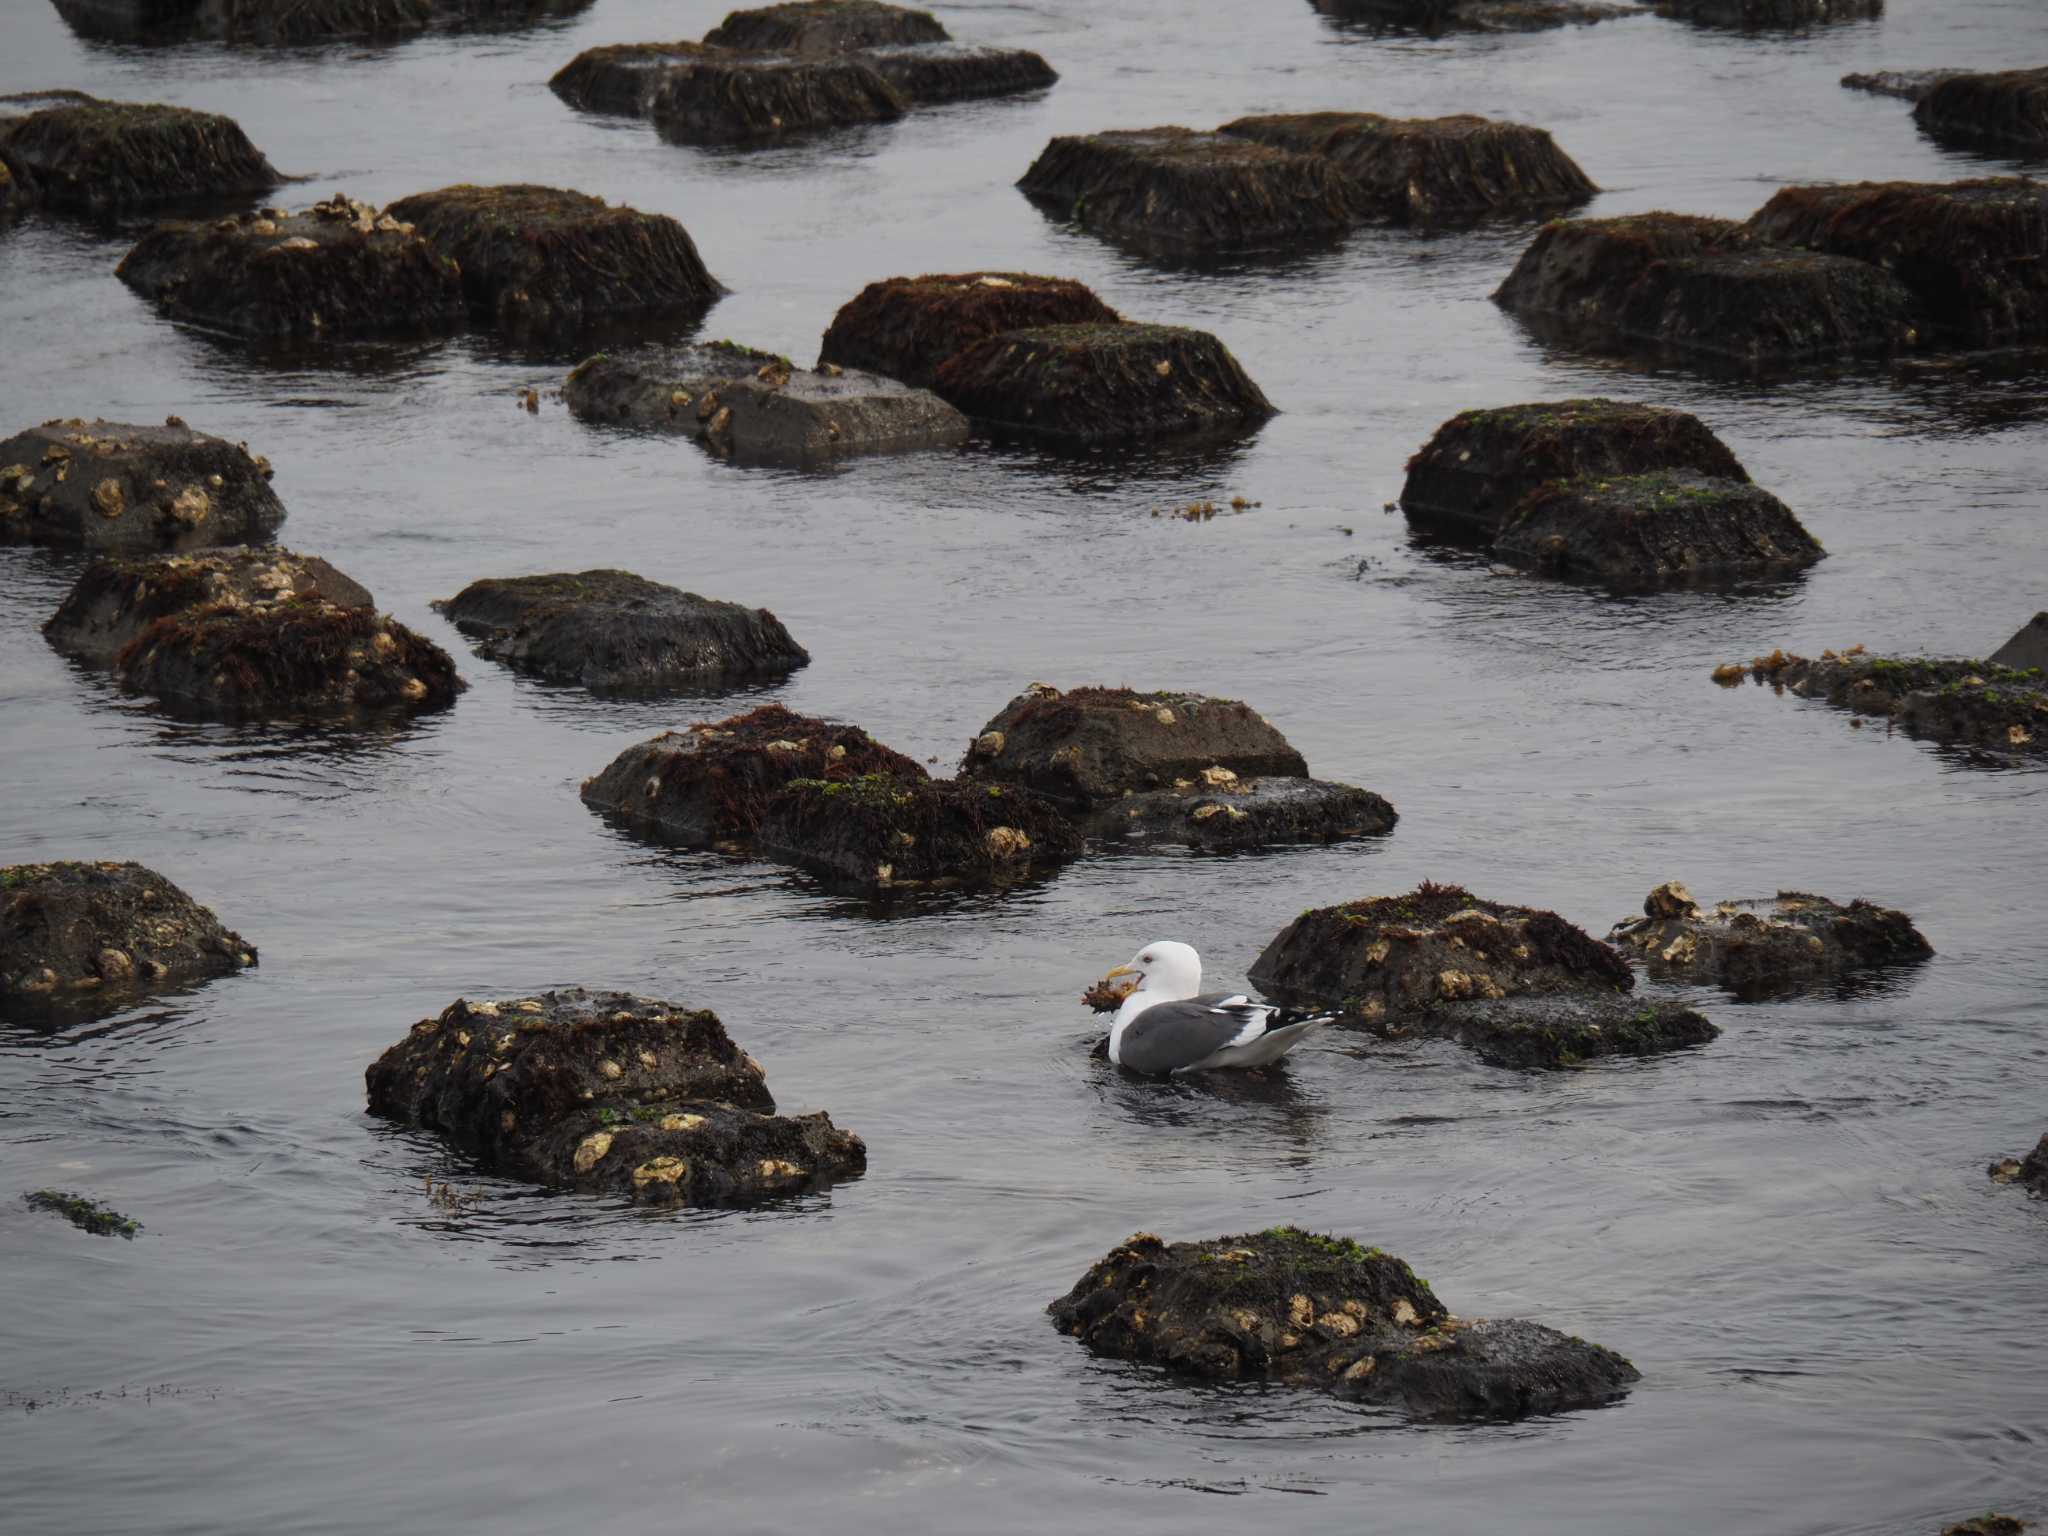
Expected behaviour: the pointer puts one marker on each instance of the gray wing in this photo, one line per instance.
(1169, 1036)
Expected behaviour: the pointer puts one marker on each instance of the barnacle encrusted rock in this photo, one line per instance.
(1307, 1310)
(882, 832)
(115, 601)
(110, 485)
(2031, 1172)
(611, 1092)
(1760, 948)
(87, 937)
(1246, 813)
(1975, 703)
(612, 629)
(95, 156)
(905, 327)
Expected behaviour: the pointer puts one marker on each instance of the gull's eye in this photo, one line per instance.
(1146, 959)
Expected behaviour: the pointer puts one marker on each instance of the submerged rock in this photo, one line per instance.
(95, 936)
(98, 156)
(758, 408)
(1975, 703)
(826, 27)
(1438, 16)
(538, 256)
(1103, 383)
(1246, 813)
(1760, 948)
(930, 73)
(1183, 191)
(1473, 476)
(1419, 169)
(1306, 1310)
(1906, 84)
(1768, 13)
(2008, 107)
(716, 97)
(883, 832)
(116, 486)
(335, 269)
(905, 327)
(87, 1215)
(2028, 648)
(114, 602)
(1656, 529)
(2032, 1173)
(607, 1092)
(614, 630)
(1553, 1033)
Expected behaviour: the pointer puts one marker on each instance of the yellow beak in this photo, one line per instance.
(1129, 986)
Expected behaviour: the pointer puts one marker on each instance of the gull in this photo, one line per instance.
(1165, 1023)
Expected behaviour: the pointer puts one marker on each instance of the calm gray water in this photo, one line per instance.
(1839, 1320)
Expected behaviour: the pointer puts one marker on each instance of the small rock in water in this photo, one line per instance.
(97, 157)
(905, 327)
(1766, 948)
(109, 485)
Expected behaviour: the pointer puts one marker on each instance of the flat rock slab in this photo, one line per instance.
(930, 73)
(1246, 813)
(112, 485)
(1089, 747)
(2027, 649)
(905, 327)
(1439, 16)
(87, 938)
(1661, 529)
(1549, 1034)
(607, 1092)
(824, 27)
(2031, 1173)
(617, 631)
(295, 22)
(2009, 107)
(1415, 170)
(755, 408)
(1765, 948)
(1178, 191)
(1974, 254)
(1390, 958)
(881, 833)
(620, 78)
(336, 269)
(1086, 384)
(1302, 1309)
(1906, 84)
(1768, 13)
(716, 97)
(710, 785)
(539, 257)
(1972, 703)
(115, 602)
(96, 156)
(1481, 465)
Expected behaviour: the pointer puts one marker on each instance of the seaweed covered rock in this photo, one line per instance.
(2031, 1172)
(294, 22)
(89, 1216)
(1906, 84)
(1760, 948)
(620, 78)
(929, 73)
(335, 269)
(614, 630)
(712, 784)
(17, 193)
(115, 601)
(1974, 254)
(1307, 1310)
(607, 1092)
(716, 97)
(2008, 107)
(1388, 958)
(1103, 383)
(97, 156)
(826, 27)
(1556, 1033)
(1480, 467)
(1219, 809)
(1435, 17)
(757, 408)
(94, 936)
(883, 832)
(1181, 191)
(541, 257)
(296, 656)
(1420, 169)
(1750, 14)
(1990, 1523)
(116, 486)
(1974, 703)
(2028, 648)
(1656, 529)
(904, 327)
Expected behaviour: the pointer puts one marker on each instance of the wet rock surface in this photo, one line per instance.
(930, 73)
(294, 22)
(715, 97)
(882, 832)
(1768, 13)
(1307, 1310)
(1906, 84)
(614, 630)
(757, 408)
(542, 257)
(1103, 383)
(115, 602)
(905, 327)
(1991, 1523)
(2030, 1172)
(89, 937)
(95, 157)
(620, 78)
(1551, 1034)
(335, 269)
(1762, 948)
(1239, 812)
(1439, 16)
(2008, 107)
(2027, 649)
(88, 1215)
(826, 27)
(607, 1092)
(1974, 703)
(113, 485)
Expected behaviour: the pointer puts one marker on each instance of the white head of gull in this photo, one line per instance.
(1166, 1024)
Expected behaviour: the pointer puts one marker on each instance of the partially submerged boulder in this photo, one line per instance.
(1103, 383)
(930, 73)
(1990, 1523)
(88, 1215)
(17, 193)
(758, 408)
(883, 832)
(2031, 1173)
(826, 27)
(96, 935)
(1768, 13)
(905, 327)
(620, 78)
(614, 630)
(112, 485)
(1555, 1033)
(2008, 107)
(1471, 477)
(1655, 529)
(1414, 170)
(294, 22)
(335, 269)
(1307, 1310)
(2028, 648)
(1974, 703)
(607, 1092)
(1906, 84)
(97, 156)
(114, 602)
(1435, 17)
(1219, 809)
(717, 97)
(1759, 948)
(542, 257)
(1181, 191)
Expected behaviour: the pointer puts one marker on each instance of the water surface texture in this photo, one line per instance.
(1839, 1319)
